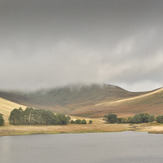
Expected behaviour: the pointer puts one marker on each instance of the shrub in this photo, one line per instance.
(90, 122)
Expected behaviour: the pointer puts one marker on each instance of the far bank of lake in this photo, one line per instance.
(97, 126)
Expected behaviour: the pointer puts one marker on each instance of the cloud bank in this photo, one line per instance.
(50, 43)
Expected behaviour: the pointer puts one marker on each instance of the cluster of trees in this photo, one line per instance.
(2, 121)
(138, 118)
(31, 116)
(141, 118)
(78, 121)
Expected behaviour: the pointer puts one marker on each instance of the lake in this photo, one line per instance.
(116, 147)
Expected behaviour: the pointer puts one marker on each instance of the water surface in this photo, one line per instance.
(116, 147)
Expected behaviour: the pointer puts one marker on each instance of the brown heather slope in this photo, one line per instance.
(151, 102)
(68, 98)
(90, 100)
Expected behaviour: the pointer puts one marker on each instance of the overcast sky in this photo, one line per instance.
(48, 43)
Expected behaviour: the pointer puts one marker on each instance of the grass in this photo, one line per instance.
(7, 106)
(98, 126)
(26, 130)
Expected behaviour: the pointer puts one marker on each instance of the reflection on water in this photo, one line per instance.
(117, 147)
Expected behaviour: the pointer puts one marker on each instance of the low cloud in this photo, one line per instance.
(59, 43)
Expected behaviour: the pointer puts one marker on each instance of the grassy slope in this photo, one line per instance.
(68, 98)
(91, 100)
(97, 126)
(151, 103)
(6, 106)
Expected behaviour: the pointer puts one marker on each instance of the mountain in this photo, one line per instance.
(151, 102)
(90, 100)
(74, 96)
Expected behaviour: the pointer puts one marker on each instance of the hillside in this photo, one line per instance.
(64, 99)
(90, 100)
(151, 102)
(73, 96)
(7, 106)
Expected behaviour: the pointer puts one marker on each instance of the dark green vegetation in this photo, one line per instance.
(90, 122)
(78, 121)
(138, 118)
(159, 119)
(32, 116)
(143, 118)
(110, 118)
(2, 121)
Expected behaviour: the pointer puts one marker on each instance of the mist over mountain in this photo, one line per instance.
(81, 94)
(78, 99)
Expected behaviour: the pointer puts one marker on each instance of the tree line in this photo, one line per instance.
(31, 116)
(137, 118)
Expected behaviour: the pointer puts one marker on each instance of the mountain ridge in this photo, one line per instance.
(83, 100)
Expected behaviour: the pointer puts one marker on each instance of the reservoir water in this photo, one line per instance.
(116, 147)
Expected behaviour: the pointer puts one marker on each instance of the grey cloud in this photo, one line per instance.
(57, 42)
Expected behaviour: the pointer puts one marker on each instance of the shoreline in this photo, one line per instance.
(11, 130)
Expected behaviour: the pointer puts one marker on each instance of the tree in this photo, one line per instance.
(61, 119)
(83, 121)
(78, 121)
(27, 115)
(119, 120)
(2, 121)
(130, 120)
(122, 120)
(159, 119)
(72, 121)
(151, 118)
(16, 116)
(110, 118)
